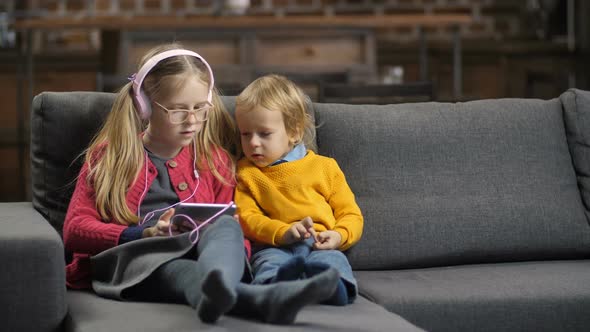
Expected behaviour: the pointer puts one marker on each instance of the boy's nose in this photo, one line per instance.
(254, 141)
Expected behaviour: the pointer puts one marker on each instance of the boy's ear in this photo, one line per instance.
(296, 137)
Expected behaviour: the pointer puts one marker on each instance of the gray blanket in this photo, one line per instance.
(119, 268)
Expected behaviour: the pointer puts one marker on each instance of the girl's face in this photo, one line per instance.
(263, 135)
(165, 136)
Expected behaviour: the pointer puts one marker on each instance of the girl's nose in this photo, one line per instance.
(192, 117)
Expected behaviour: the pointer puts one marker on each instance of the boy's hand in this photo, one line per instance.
(300, 230)
(327, 240)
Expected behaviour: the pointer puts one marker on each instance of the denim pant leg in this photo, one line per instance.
(265, 263)
(337, 260)
(267, 260)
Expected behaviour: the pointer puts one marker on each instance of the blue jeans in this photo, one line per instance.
(266, 261)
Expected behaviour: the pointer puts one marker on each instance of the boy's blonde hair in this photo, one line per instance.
(116, 154)
(277, 93)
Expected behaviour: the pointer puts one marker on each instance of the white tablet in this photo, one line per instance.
(200, 212)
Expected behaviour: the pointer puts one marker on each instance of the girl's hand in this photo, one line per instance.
(161, 227)
(300, 231)
(327, 240)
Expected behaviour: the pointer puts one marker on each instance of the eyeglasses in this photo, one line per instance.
(180, 116)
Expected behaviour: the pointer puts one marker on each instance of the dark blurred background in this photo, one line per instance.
(377, 50)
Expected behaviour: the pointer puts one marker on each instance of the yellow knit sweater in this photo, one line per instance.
(269, 199)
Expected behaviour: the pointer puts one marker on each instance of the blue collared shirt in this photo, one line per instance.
(298, 152)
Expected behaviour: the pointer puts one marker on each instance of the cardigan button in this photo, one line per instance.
(182, 186)
(172, 163)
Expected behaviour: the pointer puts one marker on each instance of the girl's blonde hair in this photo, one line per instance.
(278, 93)
(116, 154)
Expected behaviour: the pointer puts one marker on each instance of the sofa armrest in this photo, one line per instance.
(32, 274)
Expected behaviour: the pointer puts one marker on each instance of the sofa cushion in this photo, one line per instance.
(576, 105)
(529, 296)
(62, 125)
(444, 184)
(89, 313)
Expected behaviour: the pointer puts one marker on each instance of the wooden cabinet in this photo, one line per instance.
(239, 55)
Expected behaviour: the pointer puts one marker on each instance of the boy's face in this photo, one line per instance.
(263, 135)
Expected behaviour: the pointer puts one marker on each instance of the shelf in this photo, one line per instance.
(311, 21)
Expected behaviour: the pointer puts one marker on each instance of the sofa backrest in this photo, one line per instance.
(62, 125)
(576, 107)
(438, 183)
(475, 182)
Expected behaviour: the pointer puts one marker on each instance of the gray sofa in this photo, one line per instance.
(476, 219)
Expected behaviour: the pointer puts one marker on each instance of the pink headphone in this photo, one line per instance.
(142, 102)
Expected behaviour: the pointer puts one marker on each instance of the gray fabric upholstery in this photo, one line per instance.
(444, 184)
(32, 292)
(576, 110)
(491, 183)
(62, 125)
(89, 312)
(531, 296)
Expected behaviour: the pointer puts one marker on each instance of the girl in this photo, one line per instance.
(294, 204)
(166, 141)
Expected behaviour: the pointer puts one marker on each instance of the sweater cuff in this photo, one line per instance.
(278, 239)
(131, 233)
(344, 234)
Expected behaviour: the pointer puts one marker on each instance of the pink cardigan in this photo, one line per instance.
(85, 234)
